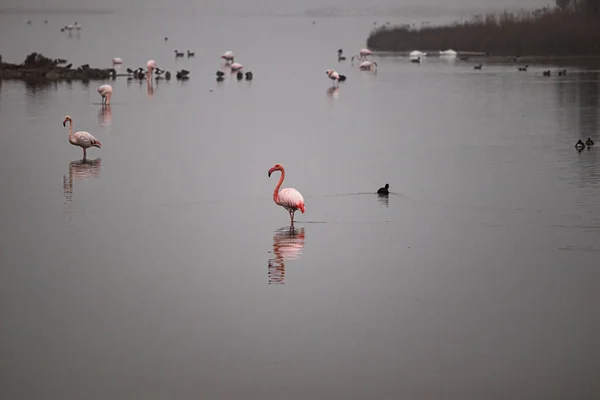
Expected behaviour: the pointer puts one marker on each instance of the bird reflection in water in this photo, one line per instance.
(333, 92)
(288, 243)
(78, 171)
(384, 199)
(105, 116)
(150, 88)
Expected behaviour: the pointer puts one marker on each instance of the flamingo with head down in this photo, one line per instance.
(288, 198)
(106, 93)
(236, 67)
(367, 65)
(82, 139)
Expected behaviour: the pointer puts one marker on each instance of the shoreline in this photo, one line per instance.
(37, 67)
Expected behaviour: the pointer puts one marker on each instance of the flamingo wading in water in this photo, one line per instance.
(151, 65)
(288, 198)
(82, 139)
(106, 92)
(228, 56)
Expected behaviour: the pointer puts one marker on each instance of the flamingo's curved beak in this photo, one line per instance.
(271, 171)
(65, 122)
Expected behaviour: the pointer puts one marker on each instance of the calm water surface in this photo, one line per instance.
(160, 268)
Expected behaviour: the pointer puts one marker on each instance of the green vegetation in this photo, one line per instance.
(572, 28)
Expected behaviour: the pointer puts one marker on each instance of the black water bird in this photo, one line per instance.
(589, 142)
(579, 145)
(478, 66)
(384, 190)
(190, 54)
(249, 76)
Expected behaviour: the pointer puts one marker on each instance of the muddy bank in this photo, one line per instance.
(38, 67)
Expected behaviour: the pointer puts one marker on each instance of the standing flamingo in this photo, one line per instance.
(82, 139)
(288, 198)
(334, 76)
(151, 65)
(364, 53)
(236, 67)
(228, 56)
(106, 92)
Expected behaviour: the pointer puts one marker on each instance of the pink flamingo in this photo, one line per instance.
(82, 139)
(236, 67)
(288, 198)
(106, 93)
(228, 56)
(334, 76)
(151, 65)
(367, 65)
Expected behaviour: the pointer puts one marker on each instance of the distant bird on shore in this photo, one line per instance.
(579, 145)
(106, 93)
(478, 66)
(546, 73)
(190, 53)
(83, 139)
(589, 142)
(179, 54)
(562, 72)
(384, 190)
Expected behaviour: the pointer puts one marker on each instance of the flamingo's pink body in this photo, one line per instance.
(367, 65)
(106, 93)
(363, 53)
(288, 198)
(83, 139)
(228, 56)
(117, 60)
(151, 65)
(236, 67)
(333, 75)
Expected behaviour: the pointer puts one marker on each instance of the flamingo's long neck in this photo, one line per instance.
(71, 136)
(276, 191)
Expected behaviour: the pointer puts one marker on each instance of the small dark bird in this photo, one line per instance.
(239, 76)
(182, 75)
(129, 71)
(29, 22)
(166, 38)
(579, 145)
(220, 73)
(168, 76)
(220, 78)
(342, 78)
(546, 73)
(190, 54)
(524, 67)
(478, 66)
(341, 58)
(589, 142)
(249, 76)
(62, 29)
(562, 73)
(68, 66)
(384, 190)
(179, 54)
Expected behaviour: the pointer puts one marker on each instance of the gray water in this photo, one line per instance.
(162, 269)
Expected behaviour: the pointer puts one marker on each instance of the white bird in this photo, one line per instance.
(448, 53)
(236, 67)
(367, 65)
(106, 93)
(228, 56)
(416, 54)
(82, 139)
(77, 26)
(69, 27)
(117, 60)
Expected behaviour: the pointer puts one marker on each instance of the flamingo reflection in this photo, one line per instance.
(78, 171)
(105, 116)
(333, 92)
(288, 244)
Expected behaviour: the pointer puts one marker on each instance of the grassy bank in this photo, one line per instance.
(541, 32)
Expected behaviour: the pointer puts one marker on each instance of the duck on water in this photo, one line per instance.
(384, 190)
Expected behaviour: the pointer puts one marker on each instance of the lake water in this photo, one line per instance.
(161, 268)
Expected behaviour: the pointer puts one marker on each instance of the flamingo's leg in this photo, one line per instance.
(84, 153)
